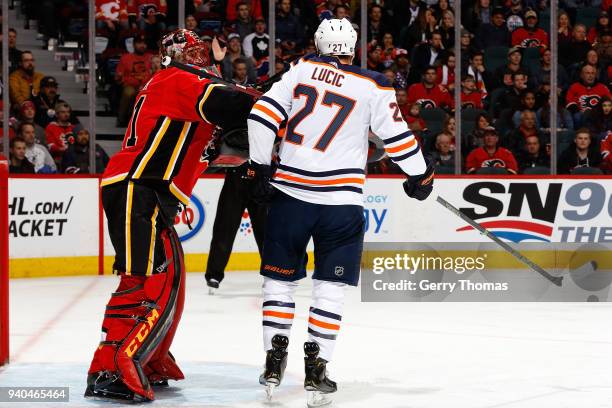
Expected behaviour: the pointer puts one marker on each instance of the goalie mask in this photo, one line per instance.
(185, 46)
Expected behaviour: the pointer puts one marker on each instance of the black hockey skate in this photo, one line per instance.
(276, 361)
(213, 285)
(316, 382)
(108, 386)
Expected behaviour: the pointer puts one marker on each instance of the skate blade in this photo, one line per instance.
(211, 291)
(317, 399)
(270, 388)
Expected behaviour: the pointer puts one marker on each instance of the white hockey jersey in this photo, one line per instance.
(329, 108)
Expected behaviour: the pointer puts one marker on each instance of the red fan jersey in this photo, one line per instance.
(521, 37)
(500, 158)
(585, 97)
(172, 124)
(59, 137)
(471, 100)
(435, 97)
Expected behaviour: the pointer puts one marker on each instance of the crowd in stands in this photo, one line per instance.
(505, 64)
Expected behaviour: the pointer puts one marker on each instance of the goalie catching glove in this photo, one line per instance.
(420, 186)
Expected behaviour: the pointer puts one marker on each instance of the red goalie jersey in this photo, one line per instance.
(172, 124)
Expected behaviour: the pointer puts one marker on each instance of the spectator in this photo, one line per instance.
(402, 69)
(542, 73)
(599, 120)
(564, 118)
(428, 94)
(36, 154)
(234, 52)
(513, 16)
(46, 100)
(388, 50)
(428, 53)
(60, 133)
(592, 59)
(239, 69)
(254, 6)
(155, 64)
(420, 31)
(604, 49)
(467, 48)
(27, 113)
(564, 33)
(401, 96)
(494, 34)
(255, 45)
(515, 140)
(603, 25)
(111, 19)
(447, 29)
(471, 97)
(18, 163)
(606, 157)
(476, 69)
(76, 158)
(14, 53)
(243, 25)
(445, 72)
(133, 72)
(443, 155)
(408, 13)
(191, 23)
(148, 16)
(476, 137)
(532, 154)
(574, 51)
(376, 25)
(585, 94)
(528, 102)
(24, 82)
(481, 13)
(341, 11)
(490, 155)
(581, 153)
(375, 58)
(449, 129)
(415, 122)
(440, 7)
(511, 99)
(289, 28)
(530, 35)
(390, 75)
(503, 75)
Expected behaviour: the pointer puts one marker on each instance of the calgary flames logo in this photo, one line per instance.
(494, 163)
(588, 101)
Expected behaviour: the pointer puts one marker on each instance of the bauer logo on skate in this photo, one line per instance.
(193, 214)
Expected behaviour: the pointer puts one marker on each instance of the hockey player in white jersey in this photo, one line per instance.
(329, 106)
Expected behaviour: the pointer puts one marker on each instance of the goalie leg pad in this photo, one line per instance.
(162, 364)
(139, 324)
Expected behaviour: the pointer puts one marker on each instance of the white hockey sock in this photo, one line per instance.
(325, 315)
(278, 309)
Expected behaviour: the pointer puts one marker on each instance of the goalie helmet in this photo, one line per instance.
(335, 37)
(185, 46)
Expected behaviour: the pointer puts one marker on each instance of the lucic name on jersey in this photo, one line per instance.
(329, 108)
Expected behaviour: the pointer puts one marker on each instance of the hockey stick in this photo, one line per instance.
(557, 280)
(168, 62)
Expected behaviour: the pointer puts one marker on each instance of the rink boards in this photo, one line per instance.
(57, 226)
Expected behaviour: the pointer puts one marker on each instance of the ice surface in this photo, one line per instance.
(389, 355)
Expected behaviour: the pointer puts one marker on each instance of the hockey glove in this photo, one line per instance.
(420, 186)
(258, 176)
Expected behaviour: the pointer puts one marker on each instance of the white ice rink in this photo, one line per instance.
(389, 355)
